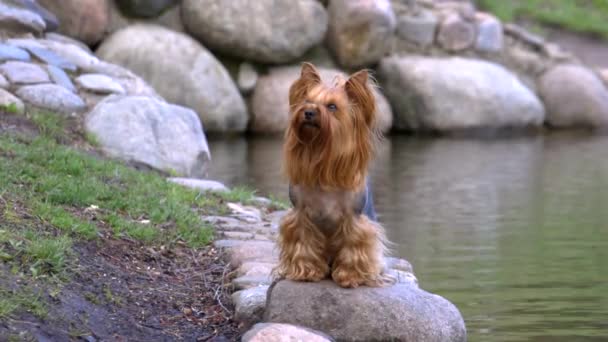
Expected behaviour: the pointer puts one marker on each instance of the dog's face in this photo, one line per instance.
(320, 113)
(331, 129)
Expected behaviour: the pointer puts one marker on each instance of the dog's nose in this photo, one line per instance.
(309, 114)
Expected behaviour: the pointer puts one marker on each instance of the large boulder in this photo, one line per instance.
(401, 312)
(360, 31)
(445, 94)
(574, 96)
(187, 74)
(270, 100)
(151, 132)
(85, 20)
(267, 31)
(169, 17)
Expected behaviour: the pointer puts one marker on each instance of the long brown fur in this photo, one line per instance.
(327, 163)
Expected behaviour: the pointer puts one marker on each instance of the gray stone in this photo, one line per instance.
(489, 33)
(446, 94)
(51, 58)
(524, 35)
(11, 102)
(399, 264)
(169, 18)
(60, 77)
(151, 132)
(455, 33)
(9, 52)
(60, 38)
(255, 268)
(98, 83)
(51, 97)
(249, 281)
(402, 312)
(133, 84)
(212, 93)
(360, 31)
(24, 73)
(247, 78)
(249, 305)
(242, 251)
(278, 332)
(270, 100)
(266, 31)
(144, 8)
(19, 20)
(574, 96)
(74, 54)
(3, 82)
(403, 277)
(419, 29)
(238, 235)
(199, 184)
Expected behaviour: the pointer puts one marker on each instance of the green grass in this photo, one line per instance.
(59, 184)
(21, 300)
(10, 108)
(584, 16)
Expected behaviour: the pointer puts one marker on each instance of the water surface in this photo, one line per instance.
(513, 231)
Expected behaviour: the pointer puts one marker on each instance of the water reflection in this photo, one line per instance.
(513, 231)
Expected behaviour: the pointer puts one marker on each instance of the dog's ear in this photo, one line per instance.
(361, 95)
(309, 77)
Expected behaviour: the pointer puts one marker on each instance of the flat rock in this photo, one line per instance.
(283, 30)
(278, 332)
(419, 28)
(428, 94)
(20, 20)
(99, 83)
(574, 96)
(212, 93)
(11, 102)
(24, 73)
(260, 251)
(51, 97)
(360, 32)
(249, 305)
(10, 52)
(59, 77)
(151, 132)
(60, 38)
(51, 58)
(402, 312)
(255, 268)
(270, 100)
(249, 281)
(199, 184)
(238, 235)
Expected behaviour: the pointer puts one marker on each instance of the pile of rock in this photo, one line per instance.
(402, 312)
(442, 65)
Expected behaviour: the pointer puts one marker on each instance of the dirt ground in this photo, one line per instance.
(122, 290)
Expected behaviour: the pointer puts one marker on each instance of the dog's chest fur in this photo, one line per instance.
(326, 209)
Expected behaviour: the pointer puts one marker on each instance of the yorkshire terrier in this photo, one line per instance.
(329, 143)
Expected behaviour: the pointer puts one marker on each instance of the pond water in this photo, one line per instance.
(513, 231)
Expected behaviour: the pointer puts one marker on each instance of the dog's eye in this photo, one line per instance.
(332, 107)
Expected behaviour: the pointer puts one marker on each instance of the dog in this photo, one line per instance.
(332, 229)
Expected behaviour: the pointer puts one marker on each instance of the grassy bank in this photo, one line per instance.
(69, 217)
(583, 16)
